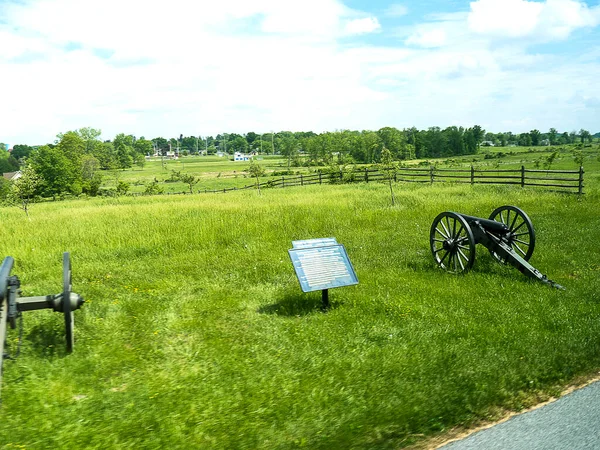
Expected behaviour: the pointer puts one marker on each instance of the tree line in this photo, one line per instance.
(76, 161)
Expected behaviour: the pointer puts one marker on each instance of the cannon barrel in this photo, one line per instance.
(5, 269)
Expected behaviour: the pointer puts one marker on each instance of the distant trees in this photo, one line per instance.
(76, 162)
(7, 162)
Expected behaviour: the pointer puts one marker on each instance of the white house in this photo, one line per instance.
(237, 156)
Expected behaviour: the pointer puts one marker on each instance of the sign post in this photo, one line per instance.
(320, 265)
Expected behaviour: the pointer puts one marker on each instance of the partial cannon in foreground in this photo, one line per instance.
(508, 235)
(12, 306)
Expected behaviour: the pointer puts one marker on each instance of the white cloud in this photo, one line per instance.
(549, 20)
(239, 66)
(396, 10)
(428, 38)
(362, 26)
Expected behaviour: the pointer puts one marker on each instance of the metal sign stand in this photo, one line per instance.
(320, 265)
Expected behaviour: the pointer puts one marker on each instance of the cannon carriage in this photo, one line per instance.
(12, 305)
(508, 234)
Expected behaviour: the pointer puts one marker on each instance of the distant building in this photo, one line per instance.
(237, 156)
(12, 176)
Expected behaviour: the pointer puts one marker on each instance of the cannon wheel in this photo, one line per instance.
(521, 236)
(452, 243)
(66, 302)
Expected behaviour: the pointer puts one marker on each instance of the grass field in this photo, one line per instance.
(196, 334)
(218, 172)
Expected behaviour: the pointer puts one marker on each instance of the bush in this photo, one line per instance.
(153, 189)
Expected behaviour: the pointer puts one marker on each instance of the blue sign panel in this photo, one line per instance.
(320, 268)
(309, 243)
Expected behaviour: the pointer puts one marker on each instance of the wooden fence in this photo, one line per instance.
(561, 180)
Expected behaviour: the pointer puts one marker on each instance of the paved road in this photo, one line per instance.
(572, 422)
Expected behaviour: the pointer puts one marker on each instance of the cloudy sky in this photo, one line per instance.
(200, 67)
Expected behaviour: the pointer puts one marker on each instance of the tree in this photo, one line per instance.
(289, 148)
(58, 173)
(585, 134)
(21, 151)
(389, 167)
(255, 170)
(143, 147)
(7, 162)
(455, 140)
(161, 145)
(24, 188)
(91, 178)
(524, 139)
(478, 134)
(553, 136)
(535, 137)
(394, 140)
(190, 180)
(549, 160)
(124, 150)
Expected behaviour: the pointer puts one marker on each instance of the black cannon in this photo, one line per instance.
(508, 234)
(12, 306)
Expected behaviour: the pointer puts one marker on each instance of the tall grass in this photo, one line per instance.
(196, 333)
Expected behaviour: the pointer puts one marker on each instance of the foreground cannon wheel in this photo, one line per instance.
(521, 235)
(66, 302)
(452, 243)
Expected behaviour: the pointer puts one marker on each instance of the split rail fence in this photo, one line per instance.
(560, 180)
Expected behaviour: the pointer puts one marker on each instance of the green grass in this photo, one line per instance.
(219, 173)
(213, 172)
(196, 333)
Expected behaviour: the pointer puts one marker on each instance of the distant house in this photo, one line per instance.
(545, 142)
(237, 156)
(12, 176)
(487, 144)
(220, 154)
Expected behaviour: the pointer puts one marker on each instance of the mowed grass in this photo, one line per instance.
(196, 334)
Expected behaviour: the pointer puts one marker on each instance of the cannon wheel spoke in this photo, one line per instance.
(520, 231)
(452, 243)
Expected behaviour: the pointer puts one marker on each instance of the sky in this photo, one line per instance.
(151, 68)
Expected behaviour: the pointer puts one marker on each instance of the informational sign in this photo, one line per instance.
(309, 243)
(322, 268)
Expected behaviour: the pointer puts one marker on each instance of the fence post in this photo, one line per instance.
(320, 177)
(366, 174)
(580, 180)
(282, 182)
(301, 180)
(522, 176)
(431, 174)
(472, 176)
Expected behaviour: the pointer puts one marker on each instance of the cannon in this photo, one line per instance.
(508, 235)
(12, 306)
